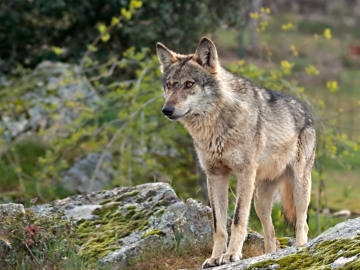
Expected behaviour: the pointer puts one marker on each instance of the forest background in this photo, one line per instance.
(309, 49)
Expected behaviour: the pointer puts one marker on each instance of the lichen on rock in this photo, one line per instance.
(118, 226)
(339, 247)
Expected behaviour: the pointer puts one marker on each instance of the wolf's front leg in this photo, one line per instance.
(244, 193)
(218, 195)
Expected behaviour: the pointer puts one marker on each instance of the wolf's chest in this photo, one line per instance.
(213, 146)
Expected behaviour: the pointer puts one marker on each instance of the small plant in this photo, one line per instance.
(346, 191)
(32, 241)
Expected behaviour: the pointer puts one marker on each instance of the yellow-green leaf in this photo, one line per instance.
(311, 70)
(105, 37)
(327, 33)
(287, 26)
(57, 50)
(332, 86)
(114, 21)
(102, 28)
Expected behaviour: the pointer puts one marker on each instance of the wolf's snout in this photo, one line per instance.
(168, 111)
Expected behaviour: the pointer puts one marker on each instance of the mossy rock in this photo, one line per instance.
(339, 247)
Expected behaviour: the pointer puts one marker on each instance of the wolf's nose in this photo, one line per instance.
(168, 111)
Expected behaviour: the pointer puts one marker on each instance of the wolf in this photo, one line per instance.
(265, 138)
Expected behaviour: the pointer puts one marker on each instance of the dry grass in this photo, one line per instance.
(191, 258)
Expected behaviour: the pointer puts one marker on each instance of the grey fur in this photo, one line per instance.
(265, 138)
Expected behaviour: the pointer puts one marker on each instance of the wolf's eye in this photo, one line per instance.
(189, 85)
(168, 85)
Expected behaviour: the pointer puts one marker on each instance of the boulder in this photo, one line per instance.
(51, 87)
(119, 225)
(342, 213)
(336, 248)
(50, 97)
(79, 178)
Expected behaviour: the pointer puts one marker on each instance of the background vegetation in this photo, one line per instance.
(301, 49)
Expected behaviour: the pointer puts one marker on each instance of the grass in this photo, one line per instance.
(343, 191)
(190, 258)
(342, 183)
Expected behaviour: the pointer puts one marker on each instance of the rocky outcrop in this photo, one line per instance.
(51, 87)
(118, 226)
(79, 178)
(336, 248)
(49, 98)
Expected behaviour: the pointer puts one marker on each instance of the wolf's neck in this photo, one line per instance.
(220, 115)
(203, 127)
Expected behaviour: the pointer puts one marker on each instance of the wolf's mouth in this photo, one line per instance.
(173, 118)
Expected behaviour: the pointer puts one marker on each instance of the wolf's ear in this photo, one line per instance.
(166, 56)
(206, 55)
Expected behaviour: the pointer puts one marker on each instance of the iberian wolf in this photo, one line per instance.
(265, 138)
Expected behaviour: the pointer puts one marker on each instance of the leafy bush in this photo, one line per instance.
(29, 29)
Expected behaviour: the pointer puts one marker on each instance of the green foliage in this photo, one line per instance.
(19, 166)
(127, 122)
(157, 150)
(33, 31)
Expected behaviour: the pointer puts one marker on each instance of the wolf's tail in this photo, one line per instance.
(287, 202)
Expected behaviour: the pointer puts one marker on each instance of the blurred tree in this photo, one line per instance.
(29, 29)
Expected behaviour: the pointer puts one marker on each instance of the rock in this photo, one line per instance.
(51, 86)
(8, 210)
(79, 177)
(338, 247)
(118, 225)
(342, 213)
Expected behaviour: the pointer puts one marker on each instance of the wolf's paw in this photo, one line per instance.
(229, 258)
(211, 262)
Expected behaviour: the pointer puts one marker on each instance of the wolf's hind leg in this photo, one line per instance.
(218, 196)
(300, 180)
(263, 201)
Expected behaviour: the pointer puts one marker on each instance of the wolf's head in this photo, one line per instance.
(189, 81)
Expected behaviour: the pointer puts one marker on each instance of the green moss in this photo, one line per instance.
(320, 256)
(293, 261)
(105, 201)
(127, 194)
(152, 232)
(161, 203)
(101, 236)
(130, 206)
(352, 265)
(263, 264)
(159, 212)
(284, 242)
